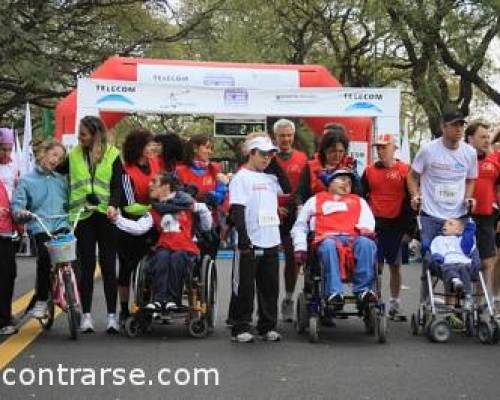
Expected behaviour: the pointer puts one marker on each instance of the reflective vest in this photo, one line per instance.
(330, 220)
(81, 182)
(141, 186)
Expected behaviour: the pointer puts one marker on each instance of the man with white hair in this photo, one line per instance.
(253, 196)
(292, 162)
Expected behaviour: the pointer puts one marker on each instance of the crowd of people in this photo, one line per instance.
(158, 192)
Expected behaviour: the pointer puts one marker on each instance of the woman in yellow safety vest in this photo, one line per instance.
(95, 173)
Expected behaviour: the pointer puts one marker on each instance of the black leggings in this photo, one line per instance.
(7, 278)
(93, 230)
(42, 267)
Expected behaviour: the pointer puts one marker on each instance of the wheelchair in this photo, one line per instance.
(435, 314)
(199, 300)
(312, 307)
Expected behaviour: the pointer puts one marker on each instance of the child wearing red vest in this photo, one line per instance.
(339, 215)
(172, 216)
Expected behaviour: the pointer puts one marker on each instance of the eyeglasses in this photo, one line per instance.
(263, 153)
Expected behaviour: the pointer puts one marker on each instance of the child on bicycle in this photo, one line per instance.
(43, 192)
(173, 216)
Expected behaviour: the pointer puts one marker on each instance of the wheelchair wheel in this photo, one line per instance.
(314, 328)
(301, 320)
(132, 327)
(208, 277)
(198, 328)
(439, 331)
(381, 327)
(487, 332)
(140, 284)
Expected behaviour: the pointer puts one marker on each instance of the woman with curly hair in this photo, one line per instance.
(140, 167)
(332, 155)
(170, 149)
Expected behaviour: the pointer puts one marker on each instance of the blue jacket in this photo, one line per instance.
(45, 194)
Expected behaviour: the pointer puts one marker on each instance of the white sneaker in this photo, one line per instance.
(457, 285)
(8, 330)
(271, 336)
(244, 337)
(113, 325)
(170, 306)
(87, 324)
(155, 306)
(39, 310)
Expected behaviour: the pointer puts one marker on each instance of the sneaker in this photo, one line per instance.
(243, 337)
(155, 306)
(271, 336)
(335, 299)
(457, 285)
(287, 310)
(395, 312)
(39, 310)
(113, 325)
(87, 324)
(8, 330)
(367, 296)
(170, 306)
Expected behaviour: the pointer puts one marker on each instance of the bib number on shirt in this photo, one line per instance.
(330, 207)
(169, 223)
(447, 193)
(268, 219)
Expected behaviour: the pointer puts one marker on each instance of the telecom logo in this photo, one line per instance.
(117, 98)
(363, 106)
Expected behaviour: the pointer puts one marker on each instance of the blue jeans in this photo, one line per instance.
(365, 252)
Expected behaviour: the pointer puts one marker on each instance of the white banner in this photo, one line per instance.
(133, 97)
(206, 76)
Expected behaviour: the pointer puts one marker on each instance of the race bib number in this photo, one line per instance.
(268, 219)
(447, 193)
(330, 207)
(169, 223)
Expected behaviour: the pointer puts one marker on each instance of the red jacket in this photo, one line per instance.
(179, 239)
(335, 223)
(6, 223)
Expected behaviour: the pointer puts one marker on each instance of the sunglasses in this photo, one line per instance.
(263, 153)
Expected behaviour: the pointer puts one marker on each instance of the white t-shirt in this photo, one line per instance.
(258, 192)
(451, 250)
(442, 177)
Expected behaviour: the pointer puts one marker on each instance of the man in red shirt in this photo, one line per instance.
(292, 162)
(485, 192)
(384, 185)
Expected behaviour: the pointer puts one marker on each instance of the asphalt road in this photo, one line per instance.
(346, 364)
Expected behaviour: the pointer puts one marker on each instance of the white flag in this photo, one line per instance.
(405, 148)
(18, 150)
(28, 158)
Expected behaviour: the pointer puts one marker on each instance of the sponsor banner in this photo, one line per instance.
(126, 96)
(200, 76)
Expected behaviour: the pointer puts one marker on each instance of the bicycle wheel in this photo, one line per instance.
(72, 311)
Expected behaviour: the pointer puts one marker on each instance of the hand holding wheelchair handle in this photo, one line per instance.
(416, 202)
(470, 203)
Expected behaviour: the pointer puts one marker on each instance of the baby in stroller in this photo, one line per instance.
(451, 255)
(174, 215)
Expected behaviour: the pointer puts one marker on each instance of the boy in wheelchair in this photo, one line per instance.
(341, 223)
(451, 257)
(174, 215)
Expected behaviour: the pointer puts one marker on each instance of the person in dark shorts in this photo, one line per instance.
(384, 186)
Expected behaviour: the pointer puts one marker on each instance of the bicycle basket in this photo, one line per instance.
(62, 249)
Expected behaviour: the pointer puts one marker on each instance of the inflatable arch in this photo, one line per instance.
(126, 69)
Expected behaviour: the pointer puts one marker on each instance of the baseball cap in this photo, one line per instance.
(328, 177)
(6, 136)
(261, 143)
(385, 138)
(450, 117)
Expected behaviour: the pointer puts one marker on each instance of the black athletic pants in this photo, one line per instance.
(7, 278)
(93, 230)
(262, 272)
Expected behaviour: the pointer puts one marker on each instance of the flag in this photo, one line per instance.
(18, 151)
(405, 148)
(28, 158)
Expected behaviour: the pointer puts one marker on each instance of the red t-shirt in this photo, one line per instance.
(293, 167)
(485, 188)
(387, 189)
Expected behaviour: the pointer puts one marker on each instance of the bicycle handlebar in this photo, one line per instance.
(60, 216)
